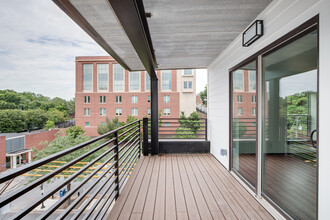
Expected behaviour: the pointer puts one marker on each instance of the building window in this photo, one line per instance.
(166, 124)
(187, 84)
(147, 81)
(102, 99)
(254, 124)
(166, 99)
(239, 98)
(118, 111)
(87, 99)
(118, 77)
(102, 123)
(134, 81)
(86, 124)
(188, 72)
(103, 112)
(102, 76)
(118, 99)
(134, 111)
(134, 99)
(88, 77)
(239, 111)
(253, 111)
(254, 98)
(238, 78)
(149, 98)
(252, 80)
(167, 111)
(149, 111)
(166, 80)
(86, 112)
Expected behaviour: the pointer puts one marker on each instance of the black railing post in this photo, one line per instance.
(145, 137)
(116, 152)
(154, 116)
(139, 138)
(206, 129)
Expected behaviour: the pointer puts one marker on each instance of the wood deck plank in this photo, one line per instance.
(179, 196)
(170, 209)
(115, 212)
(159, 211)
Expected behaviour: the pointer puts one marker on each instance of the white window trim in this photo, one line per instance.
(145, 81)
(89, 112)
(89, 124)
(161, 82)
(137, 99)
(169, 99)
(193, 73)
(249, 73)
(89, 99)
(120, 111)
(121, 101)
(103, 102)
(129, 82)
(97, 74)
(243, 79)
(137, 112)
(113, 79)
(104, 110)
(92, 77)
(167, 114)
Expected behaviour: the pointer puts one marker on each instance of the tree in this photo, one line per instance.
(203, 95)
(49, 125)
(55, 115)
(71, 107)
(12, 121)
(74, 131)
(110, 125)
(188, 126)
(35, 118)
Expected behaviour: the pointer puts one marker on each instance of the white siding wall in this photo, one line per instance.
(279, 17)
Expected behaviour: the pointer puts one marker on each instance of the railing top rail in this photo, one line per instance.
(11, 174)
(182, 118)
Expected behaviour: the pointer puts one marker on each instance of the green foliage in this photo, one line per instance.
(297, 104)
(239, 129)
(35, 118)
(12, 121)
(192, 122)
(49, 125)
(55, 115)
(74, 131)
(109, 125)
(184, 133)
(203, 95)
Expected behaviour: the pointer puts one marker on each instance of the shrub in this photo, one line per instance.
(49, 125)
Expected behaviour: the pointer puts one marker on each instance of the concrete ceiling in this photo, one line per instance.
(184, 33)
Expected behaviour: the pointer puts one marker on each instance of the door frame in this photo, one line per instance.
(306, 27)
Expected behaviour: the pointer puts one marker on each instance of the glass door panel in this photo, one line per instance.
(290, 120)
(244, 122)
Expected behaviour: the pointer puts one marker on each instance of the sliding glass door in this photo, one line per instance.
(244, 122)
(290, 121)
(274, 150)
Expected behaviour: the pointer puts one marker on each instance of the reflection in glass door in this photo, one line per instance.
(244, 122)
(290, 120)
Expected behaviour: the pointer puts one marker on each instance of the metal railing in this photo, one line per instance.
(108, 166)
(182, 128)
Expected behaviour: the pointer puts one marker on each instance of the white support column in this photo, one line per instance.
(20, 159)
(29, 157)
(14, 162)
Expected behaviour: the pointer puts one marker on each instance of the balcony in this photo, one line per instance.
(112, 180)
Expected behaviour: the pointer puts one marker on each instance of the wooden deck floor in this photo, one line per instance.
(194, 186)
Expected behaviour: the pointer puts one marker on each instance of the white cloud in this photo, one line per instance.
(38, 45)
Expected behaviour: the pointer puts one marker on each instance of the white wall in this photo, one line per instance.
(279, 18)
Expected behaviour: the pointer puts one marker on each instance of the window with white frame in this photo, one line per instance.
(102, 99)
(254, 111)
(118, 99)
(167, 111)
(187, 84)
(166, 99)
(103, 112)
(188, 72)
(134, 99)
(239, 98)
(149, 98)
(87, 99)
(103, 76)
(134, 81)
(149, 111)
(239, 111)
(86, 112)
(147, 81)
(254, 99)
(118, 111)
(118, 78)
(252, 80)
(238, 78)
(134, 111)
(86, 124)
(166, 79)
(88, 77)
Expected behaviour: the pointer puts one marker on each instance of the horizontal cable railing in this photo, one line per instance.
(97, 171)
(182, 128)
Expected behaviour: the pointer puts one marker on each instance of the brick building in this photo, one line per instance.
(105, 90)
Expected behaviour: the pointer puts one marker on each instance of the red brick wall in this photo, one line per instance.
(2, 153)
(33, 140)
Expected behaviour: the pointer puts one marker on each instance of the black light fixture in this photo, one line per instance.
(252, 33)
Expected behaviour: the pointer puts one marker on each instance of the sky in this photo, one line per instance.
(38, 46)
